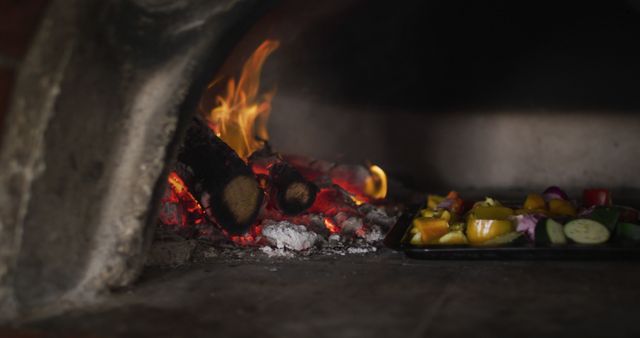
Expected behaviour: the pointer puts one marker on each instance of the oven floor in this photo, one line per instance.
(376, 295)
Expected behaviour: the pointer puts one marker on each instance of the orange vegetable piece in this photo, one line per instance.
(431, 229)
(562, 208)
(533, 202)
(457, 201)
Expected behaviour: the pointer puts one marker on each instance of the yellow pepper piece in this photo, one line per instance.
(503, 239)
(533, 202)
(485, 223)
(481, 230)
(416, 239)
(453, 238)
(427, 213)
(562, 208)
(488, 202)
(496, 212)
(433, 201)
(457, 226)
(431, 229)
(446, 215)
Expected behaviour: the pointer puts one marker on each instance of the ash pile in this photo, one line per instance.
(301, 236)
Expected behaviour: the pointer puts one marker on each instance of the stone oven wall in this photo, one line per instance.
(97, 104)
(18, 22)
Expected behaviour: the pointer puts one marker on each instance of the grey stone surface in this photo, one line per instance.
(170, 253)
(381, 295)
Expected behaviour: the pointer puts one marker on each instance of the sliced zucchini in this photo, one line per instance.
(586, 231)
(548, 231)
(629, 231)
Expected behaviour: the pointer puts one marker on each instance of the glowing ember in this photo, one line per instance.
(331, 226)
(364, 183)
(180, 194)
(332, 200)
(249, 239)
(240, 117)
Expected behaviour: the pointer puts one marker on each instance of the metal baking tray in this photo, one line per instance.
(609, 251)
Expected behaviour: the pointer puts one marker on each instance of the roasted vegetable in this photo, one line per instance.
(548, 231)
(628, 215)
(534, 202)
(430, 229)
(507, 238)
(458, 226)
(628, 231)
(555, 193)
(453, 238)
(607, 216)
(453, 202)
(540, 212)
(540, 218)
(586, 231)
(433, 201)
(560, 207)
(416, 239)
(488, 222)
(591, 197)
(488, 202)
(526, 224)
(496, 212)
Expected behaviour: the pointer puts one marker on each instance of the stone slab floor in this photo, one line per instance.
(375, 295)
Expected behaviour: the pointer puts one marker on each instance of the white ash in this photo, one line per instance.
(376, 215)
(288, 235)
(288, 240)
(334, 238)
(361, 250)
(348, 224)
(373, 234)
(316, 224)
(278, 252)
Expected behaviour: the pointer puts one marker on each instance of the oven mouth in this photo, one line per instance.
(477, 99)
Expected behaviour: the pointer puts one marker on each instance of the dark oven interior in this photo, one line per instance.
(452, 95)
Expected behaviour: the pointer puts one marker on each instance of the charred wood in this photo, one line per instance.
(293, 194)
(228, 190)
(352, 178)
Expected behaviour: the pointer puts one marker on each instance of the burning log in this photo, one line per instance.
(230, 192)
(365, 183)
(293, 194)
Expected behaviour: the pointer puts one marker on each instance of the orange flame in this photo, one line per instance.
(240, 116)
